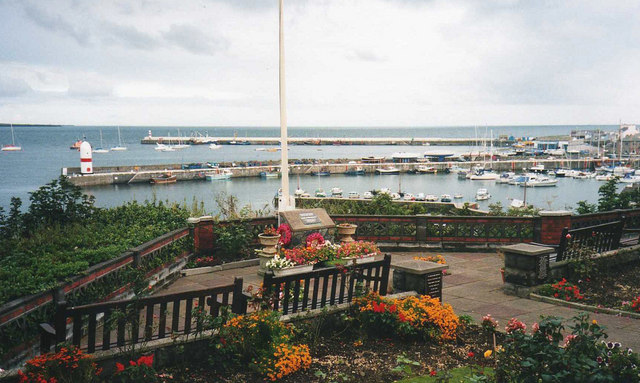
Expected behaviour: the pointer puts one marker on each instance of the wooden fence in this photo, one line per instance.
(596, 239)
(327, 286)
(133, 321)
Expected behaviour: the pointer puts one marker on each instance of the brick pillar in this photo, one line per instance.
(202, 234)
(551, 225)
(525, 266)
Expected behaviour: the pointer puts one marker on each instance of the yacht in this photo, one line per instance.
(484, 176)
(367, 195)
(482, 195)
(537, 168)
(298, 193)
(408, 197)
(505, 178)
(320, 193)
(120, 147)
(605, 177)
(516, 203)
(395, 196)
(354, 195)
(540, 182)
(458, 196)
(445, 198)
(336, 192)
(420, 197)
(214, 146)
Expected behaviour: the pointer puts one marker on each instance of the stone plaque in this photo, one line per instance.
(306, 221)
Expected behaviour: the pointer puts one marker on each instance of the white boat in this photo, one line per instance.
(367, 195)
(505, 178)
(305, 195)
(101, 148)
(431, 198)
(120, 147)
(562, 172)
(336, 192)
(320, 193)
(555, 152)
(180, 144)
(384, 191)
(484, 176)
(516, 203)
(214, 146)
(299, 192)
(456, 169)
(388, 170)
(395, 196)
(420, 197)
(629, 179)
(12, 147)
(408, 197)
(605, 177)
(482, 195)
(540, 182)
(354, 195)
(445, 198)
(537, 168)
(458, 196)
(524, 178)
(219, 174)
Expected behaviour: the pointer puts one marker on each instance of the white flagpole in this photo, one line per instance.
(284, 154)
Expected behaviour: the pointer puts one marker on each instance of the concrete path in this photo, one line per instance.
(474, 288)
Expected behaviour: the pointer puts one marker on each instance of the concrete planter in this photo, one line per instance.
(292, 270)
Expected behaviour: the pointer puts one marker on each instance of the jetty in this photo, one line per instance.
(128, 174)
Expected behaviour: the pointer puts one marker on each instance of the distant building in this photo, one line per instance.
(403, 158)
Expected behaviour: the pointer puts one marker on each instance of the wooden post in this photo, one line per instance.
(386, 267)
(60, 322)
(47, 336)
(563, 244)
(239, 302)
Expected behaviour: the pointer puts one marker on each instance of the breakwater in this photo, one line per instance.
(127, 174)
(417, 141)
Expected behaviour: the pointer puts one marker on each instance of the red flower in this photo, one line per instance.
(146, 360)
(401, 317)
(132, 363)
(433, 373)
(392, 308)
(568, 236)
(119, 367)
(378, 307)
(471, 354)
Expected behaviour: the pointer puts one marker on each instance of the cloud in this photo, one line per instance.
(128, 35)
(56, 23)
(193, 40)
(13, 87)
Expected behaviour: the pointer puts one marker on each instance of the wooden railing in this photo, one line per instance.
(326, 286)
(133, 321)
(596, 239)
(19, 318)
(442, 228)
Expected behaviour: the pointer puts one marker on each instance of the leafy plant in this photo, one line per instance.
(404, 365)
(69, 365)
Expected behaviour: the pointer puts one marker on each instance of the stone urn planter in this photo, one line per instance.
(268, 243)
(345, 231)
(360, 260)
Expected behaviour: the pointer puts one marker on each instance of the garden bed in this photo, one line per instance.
(609, 289)
(344, 358)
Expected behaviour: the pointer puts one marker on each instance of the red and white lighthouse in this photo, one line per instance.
(86, 163)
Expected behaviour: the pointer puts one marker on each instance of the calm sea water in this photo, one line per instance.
(46, 151)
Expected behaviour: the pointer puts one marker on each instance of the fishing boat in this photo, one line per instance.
(458, 196)
(76, 145)
(336, 192)
(120, 147)
(101, 148)
(540, 182)
(388, 170)
(357, 171)
(431, 198)
(166, 178)
(320, 193)
(218, 174)
(482, 195)
(321, 173)
(445, 198)
(12, 147)
(424, 169)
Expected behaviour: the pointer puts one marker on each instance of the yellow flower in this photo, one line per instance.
(498, 348)
(594, 322)
(487, 354)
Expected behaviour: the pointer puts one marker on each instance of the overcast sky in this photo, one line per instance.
(348, 62)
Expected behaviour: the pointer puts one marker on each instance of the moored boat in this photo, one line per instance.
(388, 170)
(482, 195)
(218, 174)
(445, 198)
(166, 178)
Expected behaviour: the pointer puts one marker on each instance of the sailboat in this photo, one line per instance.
(180, 144)
(101, 149)
(120, 147)
(12, 147)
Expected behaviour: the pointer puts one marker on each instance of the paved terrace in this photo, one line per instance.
(474, 288)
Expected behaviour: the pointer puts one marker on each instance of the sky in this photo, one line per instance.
(348, 62)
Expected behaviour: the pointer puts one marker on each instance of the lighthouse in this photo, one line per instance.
(86, 163)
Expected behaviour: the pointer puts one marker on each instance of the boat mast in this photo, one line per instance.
(284, 154)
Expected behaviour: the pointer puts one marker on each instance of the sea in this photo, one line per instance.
(46, 151)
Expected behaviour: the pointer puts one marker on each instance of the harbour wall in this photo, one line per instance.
(112, 175)
(325, 141)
